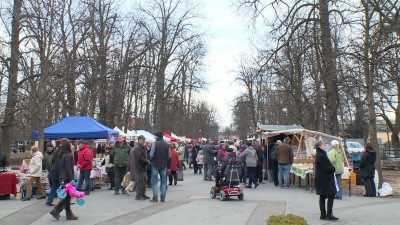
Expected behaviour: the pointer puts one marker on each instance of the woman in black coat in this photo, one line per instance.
(325, 185)
(66, 174)
(367, 170)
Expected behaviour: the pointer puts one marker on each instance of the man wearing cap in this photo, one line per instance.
(160, 157)
(85, 166)
(141, 162)
(48, 164)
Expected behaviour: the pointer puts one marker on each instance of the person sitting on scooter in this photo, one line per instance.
(220, 172)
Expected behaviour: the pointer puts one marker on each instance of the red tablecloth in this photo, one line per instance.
(8, 184)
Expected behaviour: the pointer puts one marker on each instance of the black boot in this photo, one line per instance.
(331, 217)
(71, 216)
(323, 215)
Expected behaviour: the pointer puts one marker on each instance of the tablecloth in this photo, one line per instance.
(8, 184)
(300, 171)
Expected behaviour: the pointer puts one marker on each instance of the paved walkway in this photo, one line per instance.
(189, 203)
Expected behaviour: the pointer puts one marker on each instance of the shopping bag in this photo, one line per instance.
(179, 175)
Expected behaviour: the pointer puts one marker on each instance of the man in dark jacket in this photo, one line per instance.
(160, 157)
(141, 162)
(260, 161)
(285, 158)
(48, 160)
(208, 158)
(148, 149)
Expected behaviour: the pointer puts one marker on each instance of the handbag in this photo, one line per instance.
(179, 175)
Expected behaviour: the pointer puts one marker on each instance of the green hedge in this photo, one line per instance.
(286, 219)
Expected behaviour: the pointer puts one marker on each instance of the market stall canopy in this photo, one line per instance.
(270, 128)
(178, 137)
(135, 133)
(167, 136)
(120, 131)
(76, 127)
(304, 139)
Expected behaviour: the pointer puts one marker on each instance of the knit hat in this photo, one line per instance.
(142, 137)
(49, 144)
(158, 134)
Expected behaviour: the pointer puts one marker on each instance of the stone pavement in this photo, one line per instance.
(189, 203)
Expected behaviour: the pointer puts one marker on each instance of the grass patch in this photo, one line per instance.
(286, 219)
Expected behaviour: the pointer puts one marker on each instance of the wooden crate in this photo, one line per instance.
(345, 183)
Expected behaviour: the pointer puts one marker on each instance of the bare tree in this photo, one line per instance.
(12, 67)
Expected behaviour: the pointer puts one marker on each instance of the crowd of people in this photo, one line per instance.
(148, 163)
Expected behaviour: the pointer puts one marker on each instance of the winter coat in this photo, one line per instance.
(85, 158)
(259, 155)
(284, 154)
(121, 154)
(174, 163)
(66, 167)
(221, 155)
(181, 152)
(35, 165)
(208, 154)
(367, 164)
(194, 152)
(141, 158)
(337, 159)
(324, 174)
(267, 154)
(250, 155)
(54, 173)
(131, 165)
(199, 158)
(47, 160)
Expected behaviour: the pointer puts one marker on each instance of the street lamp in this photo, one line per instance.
(284, 112)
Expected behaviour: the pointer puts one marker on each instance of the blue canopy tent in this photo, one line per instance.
(76, 127)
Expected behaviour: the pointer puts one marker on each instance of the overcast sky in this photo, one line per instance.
(226, 42)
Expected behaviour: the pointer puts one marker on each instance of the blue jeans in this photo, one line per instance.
(84, 175)
(154, 181)
(339, 183)
(53, 191)
(284, 172)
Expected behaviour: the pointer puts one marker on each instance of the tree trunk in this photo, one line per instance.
(369, 70)
(12, 96)
(329, 73)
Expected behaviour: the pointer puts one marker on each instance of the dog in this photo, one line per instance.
(128, 184)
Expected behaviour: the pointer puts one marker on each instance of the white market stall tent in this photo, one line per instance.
(303, 140)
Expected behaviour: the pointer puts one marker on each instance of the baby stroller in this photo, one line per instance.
(229, 185)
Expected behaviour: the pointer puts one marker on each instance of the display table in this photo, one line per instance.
(8, 184)
(304, 172)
